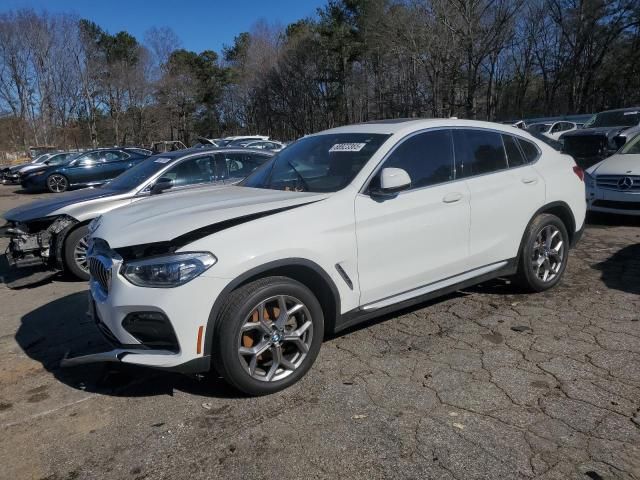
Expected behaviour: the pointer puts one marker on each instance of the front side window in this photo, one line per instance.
(427, 158)
(115, 156)
(318, 163)
(479, 152)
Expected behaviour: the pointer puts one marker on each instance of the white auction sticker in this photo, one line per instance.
(347, 147)
(163, 160)
(635, 112)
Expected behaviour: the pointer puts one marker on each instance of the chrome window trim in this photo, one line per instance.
(365, 186)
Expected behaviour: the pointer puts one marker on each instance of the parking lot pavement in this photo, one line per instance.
(485, 383)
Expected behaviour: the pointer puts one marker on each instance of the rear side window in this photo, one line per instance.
(514, 155)
(427, 158)
(479, 152)
(530, 151)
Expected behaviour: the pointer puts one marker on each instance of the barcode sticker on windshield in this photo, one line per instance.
(631, 113)
(163, 160)
(347, 147)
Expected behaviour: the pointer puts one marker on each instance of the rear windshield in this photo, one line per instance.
(320, 163)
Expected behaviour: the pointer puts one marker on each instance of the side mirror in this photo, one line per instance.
(392, 181)
(47, 162)
(162, 184)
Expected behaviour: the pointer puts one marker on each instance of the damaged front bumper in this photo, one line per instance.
(34, 245)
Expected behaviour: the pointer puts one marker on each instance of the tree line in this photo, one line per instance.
(67, 82)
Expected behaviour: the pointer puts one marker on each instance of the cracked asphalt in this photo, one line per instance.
(485, 383)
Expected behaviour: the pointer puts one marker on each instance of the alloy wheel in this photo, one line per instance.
(80, 254)
(275, 338)
(57, 183)
(548, 253)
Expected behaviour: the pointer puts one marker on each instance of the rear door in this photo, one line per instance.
(419, 236)
(505, 191)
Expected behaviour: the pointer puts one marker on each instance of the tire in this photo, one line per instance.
(543, 259)
(73, 246)
(291, 335)
(57, 183)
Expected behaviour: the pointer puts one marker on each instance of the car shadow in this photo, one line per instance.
(29, 277)
(621, 271)
(60, 327)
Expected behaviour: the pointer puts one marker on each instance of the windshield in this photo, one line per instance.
(135, 176)
(42, 158)
(320, 163)
(632, 147)
(627, 118)
(539, 127)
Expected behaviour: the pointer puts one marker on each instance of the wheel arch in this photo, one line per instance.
(63, 235)
(309, 273)
(560, 209)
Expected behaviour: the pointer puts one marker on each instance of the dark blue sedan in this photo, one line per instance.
(86, 170)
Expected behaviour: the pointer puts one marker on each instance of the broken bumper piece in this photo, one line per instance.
(160, 359)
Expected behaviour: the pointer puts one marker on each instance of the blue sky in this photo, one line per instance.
(201, 25)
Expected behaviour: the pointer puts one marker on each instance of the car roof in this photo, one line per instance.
(194, 151)
(627, 109)
(409, 125)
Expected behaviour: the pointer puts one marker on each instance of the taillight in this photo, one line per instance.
(579, 172)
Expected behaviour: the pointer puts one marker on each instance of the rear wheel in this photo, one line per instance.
(75, 252)
(57, 183)
(268, 335)
(544, 255)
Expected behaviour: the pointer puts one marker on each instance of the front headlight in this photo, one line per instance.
(589, 180)
(167, 271)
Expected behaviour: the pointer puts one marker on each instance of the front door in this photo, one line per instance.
(419, 236)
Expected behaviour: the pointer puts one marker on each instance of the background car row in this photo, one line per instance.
(52, 233)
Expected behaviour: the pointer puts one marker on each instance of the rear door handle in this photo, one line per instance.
(452, 197)
(530, 181)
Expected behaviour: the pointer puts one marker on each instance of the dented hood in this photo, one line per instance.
(163, 218)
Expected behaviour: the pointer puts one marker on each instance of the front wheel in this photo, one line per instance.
(268, 335)
(75, 253)
(57, 183)
(544, 255)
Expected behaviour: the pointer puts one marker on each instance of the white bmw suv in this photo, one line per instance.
(339, 227)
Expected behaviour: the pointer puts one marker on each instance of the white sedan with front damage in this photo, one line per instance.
(613, 185)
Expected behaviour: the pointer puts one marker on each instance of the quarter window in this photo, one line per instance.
(514, 155)
(479, 152)
(426, 157)
(529, 149)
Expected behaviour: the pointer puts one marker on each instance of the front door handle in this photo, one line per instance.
(452, 197)
(530, 181)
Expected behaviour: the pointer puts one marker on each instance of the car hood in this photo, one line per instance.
(163, 218)
(52, 206)
(15, 168)
(617, 165)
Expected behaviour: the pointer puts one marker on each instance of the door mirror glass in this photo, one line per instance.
(392, 180)
(162, 184)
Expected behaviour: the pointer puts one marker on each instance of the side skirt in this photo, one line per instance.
(360, 314)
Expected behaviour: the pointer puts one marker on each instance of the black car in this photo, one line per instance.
(601, 136)
(86, 170)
